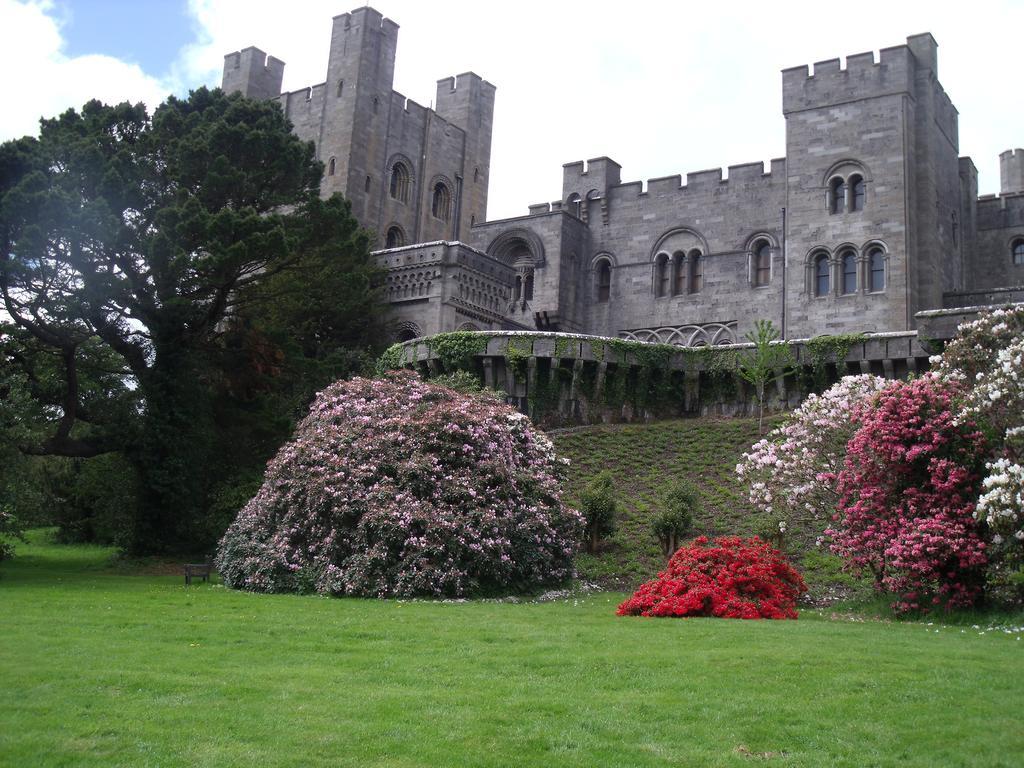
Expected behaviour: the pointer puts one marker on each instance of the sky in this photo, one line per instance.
(660, 87)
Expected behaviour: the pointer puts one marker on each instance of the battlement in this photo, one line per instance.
(591, 179)
(253, 73)
(366, 17)
(863, 77)
(1011, 171)
(469, 82)
(742, 176)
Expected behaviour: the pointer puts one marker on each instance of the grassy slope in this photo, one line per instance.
(643, 458)
(104, 668)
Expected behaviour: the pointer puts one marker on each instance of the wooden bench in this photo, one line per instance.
(196, 570)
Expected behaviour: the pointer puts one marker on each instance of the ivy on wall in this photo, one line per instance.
(638, 374)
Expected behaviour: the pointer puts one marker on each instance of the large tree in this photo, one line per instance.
(149, 266)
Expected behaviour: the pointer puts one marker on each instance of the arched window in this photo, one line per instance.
(662, 276)
(849, 262)
(441, 201)
(341, 87)
(575, 205)
(528, 287)
(517, 294)
(366, 186)
(762, 263)
(876, 267)
(856, 193)
(821, 275)
(696, 271)
(604, 280)
(395, 238)
(400, 182)
(679, 273)
(1018, 252)
(837, 196)
(330, 167)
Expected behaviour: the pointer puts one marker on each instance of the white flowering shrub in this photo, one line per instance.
(987, 355)
(792, 472)
(400, 487)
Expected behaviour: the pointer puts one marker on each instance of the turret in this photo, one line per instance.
(1011, 172)
(252, 73)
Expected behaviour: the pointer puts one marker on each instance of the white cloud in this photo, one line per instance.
(41, 81)
(661, 87)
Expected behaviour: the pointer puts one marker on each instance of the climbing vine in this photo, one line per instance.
(823, 350)
(457, 349)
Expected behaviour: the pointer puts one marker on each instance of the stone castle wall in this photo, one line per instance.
(872, 176)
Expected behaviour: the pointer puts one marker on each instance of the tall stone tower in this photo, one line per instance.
(872, 162)
(411, 173)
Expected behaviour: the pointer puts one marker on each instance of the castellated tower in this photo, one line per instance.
(873, 168)
(412, 174)
(1011, 172)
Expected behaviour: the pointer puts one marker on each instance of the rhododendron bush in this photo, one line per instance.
(729, 577)
(908, 489)
(792, 472)
(399, 487)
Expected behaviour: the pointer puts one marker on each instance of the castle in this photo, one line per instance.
(870, 218)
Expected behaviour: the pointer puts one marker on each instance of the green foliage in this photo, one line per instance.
(10, 528)
(460, 381)
(457, 350)
(826, 349)
(599, 507)
(176, 291)
(391, 358)
(674, 520)
(519, 350)
(769, 361)
(95, 499)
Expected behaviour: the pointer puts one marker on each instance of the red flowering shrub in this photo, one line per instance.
(908, 490)
(400, 487)
(730, 577)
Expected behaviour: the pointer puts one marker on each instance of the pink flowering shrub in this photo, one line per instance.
(400, 487)
(792, 473)
(908, 489)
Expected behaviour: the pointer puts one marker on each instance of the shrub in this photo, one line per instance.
(907, 497)
(599, 508)
(675, 518)
(729, 577)
(399, 487)
(10, 528)
(792, 472)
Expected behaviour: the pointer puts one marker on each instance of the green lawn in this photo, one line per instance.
(108, 667)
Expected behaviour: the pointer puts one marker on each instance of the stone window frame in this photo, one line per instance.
(1017, 251)
(603, 292)
(871, 247)
(814, 258)
(394, 228)
(662, 276)
(400, 189)
(574, 204)
(441, 209)
(695, 259)
(751, 248)
(331, 166)
(846, 174)
(843, 253)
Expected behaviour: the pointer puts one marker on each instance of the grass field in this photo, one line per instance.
(108, 666)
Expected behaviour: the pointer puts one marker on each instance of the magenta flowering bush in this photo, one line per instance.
(908, 489)
(400, 487)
